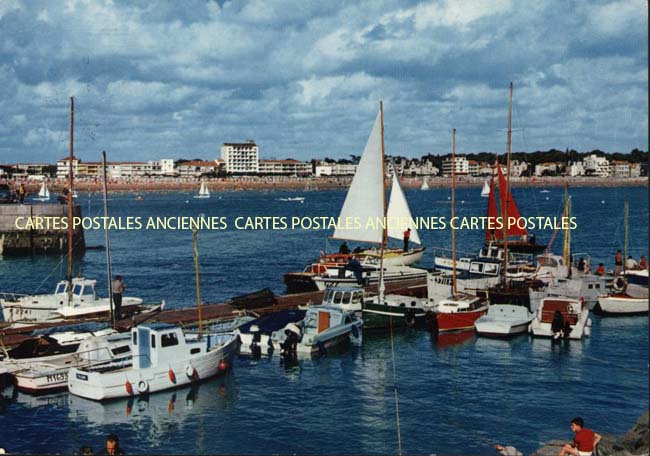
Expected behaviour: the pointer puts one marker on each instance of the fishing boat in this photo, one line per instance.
(50, 375)
(504, 320)
(71, 299)
(323, 328)
(425, 185)
(164, 357)
(204, 193)
(43, 193)
(369, 276)
(396, 311)
(255, 335)
(561, 318)
(485, 191)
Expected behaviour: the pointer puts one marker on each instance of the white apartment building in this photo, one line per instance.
(574, 169)
(163, 167)
(547, 167)
(473, 167)
(335, 169)
(241, 158)
(285, 167)
(462, 166)
(197, 168)
(518, 168)
(596, 166)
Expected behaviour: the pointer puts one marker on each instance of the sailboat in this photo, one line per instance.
(203, 192)
(460, 310)
(425, 185)
(485, 192)
(43, 193)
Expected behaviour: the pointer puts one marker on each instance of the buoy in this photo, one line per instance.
(602, 202)
(223, 365)
(172, 376)
(129, 388)
(191, 372)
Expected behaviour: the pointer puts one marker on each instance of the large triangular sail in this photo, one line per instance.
(513, 212)
(365, 198)
(398, 209)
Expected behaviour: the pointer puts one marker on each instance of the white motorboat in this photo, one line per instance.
(255, 335)
(164, 357)
(623, 304)
(43, 193)
(323, 328)
(588, 288)
(504, 320)
(51, 375)
(40, 308)
(561, 318)
(203, 192)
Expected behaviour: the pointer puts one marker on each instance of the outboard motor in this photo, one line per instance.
(256, 350)
(293, 336)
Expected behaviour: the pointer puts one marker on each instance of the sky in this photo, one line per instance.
(171, 79)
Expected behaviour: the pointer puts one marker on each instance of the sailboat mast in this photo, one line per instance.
(453, 209)
(627, 213)
(108, 244)
(70, 207)
(566, 251)
(383, 194)
(198, 283)
(505, 206)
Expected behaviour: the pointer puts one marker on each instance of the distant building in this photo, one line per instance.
(241, 158)
(40, 170)
(462, 166)
(518, 168)
(427, 168)
(197, 168)
(545, 169)
(596, 166)
(163, 167)
(287, 167)
(635, 169)
(335, 169)
(574, 169)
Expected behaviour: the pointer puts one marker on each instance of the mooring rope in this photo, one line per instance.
(392, 349)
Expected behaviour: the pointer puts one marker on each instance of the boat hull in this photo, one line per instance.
(460, 321)
(622, 305)
(381, 316)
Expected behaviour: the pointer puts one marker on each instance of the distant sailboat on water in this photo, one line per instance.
(485, 193)
(424, 186)
(43, 193)
(203, 192)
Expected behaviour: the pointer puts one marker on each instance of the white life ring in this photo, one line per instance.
(143, 386)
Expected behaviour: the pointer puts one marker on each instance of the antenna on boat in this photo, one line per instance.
(382, 287)
(453, 211)
(198, 283)
(108, 244)
(70, 206)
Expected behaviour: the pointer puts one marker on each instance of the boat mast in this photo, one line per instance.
(627, 211)
(453, 210)
(566, 251)
(108, 244)
(70, 207)
(198, 284)
(505, 206)
(383, 193)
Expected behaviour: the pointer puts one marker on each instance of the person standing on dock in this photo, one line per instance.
(618, 262)
(407, 237)
(584, 440)
(118, 289)
(21, 194)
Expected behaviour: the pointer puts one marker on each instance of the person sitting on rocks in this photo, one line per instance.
(584, 440)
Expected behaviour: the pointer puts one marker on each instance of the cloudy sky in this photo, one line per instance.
(170, 79)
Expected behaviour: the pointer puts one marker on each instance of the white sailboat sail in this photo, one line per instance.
(425, 185)
(365, 198)
(203, 191)
(485, 193)
(43, 193)
(398, 209)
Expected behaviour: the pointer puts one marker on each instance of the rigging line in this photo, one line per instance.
(392, 349)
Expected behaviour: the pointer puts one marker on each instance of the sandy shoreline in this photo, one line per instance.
(309, 184)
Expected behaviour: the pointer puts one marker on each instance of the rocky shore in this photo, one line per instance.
(309, 184)
(632, 443)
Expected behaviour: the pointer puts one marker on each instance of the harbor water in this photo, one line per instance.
(457, 393)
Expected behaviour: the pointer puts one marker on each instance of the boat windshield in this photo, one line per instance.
(61, 288)
(547, 261)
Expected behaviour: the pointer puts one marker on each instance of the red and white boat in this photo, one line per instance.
(459, 313)
(575, 322)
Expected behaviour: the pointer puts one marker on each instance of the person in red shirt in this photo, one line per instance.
(601, 269)
(407, 237)
(584, 440)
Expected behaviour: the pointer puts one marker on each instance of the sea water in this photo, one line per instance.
(456, 394)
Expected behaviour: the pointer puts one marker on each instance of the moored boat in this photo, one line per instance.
(164, 357)
(504, 320)
(561, 318)
(458, 313)
(255, 336)
(622, 304)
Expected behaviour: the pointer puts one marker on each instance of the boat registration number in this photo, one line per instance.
(55, 378)
(82, 377)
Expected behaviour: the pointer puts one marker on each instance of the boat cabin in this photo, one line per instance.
(321, 318)
(81, 288)
(569, 308)
(550, 264)
(346, 297)
(461, 303)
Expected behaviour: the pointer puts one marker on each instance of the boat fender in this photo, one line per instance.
(355, 331)
(129, 388)
(191, 372)
(587, 331)
(588, 322)
(143, 386)
(223, 365)
(409, 318)
(619, 285)
(172, 376)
